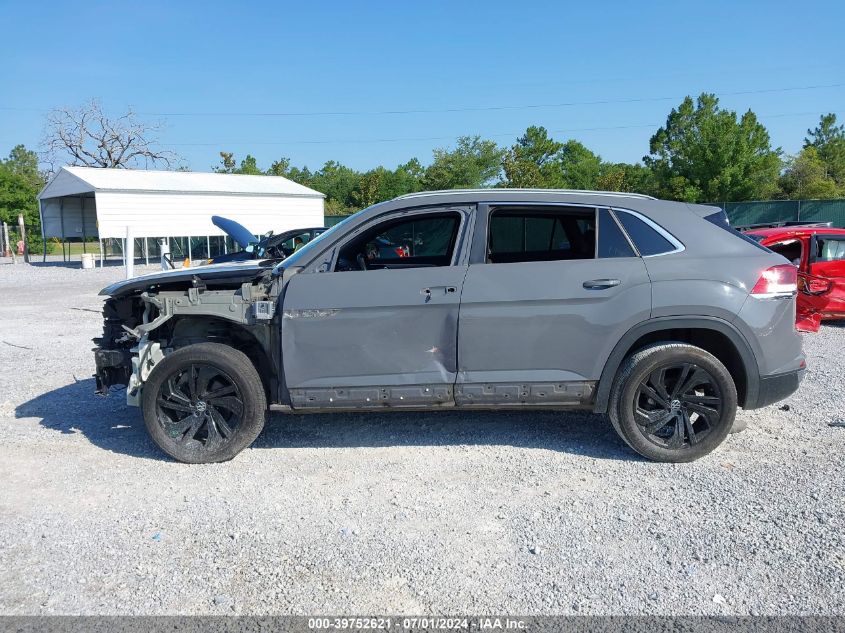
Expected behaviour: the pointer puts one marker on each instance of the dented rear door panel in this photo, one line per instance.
(536, 322)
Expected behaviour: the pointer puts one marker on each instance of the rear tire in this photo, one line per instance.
(673, 402)
(204, 403)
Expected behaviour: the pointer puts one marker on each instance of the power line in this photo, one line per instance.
(483, 108)
(451, 138)
(458, 109)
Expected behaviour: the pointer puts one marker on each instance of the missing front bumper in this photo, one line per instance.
(113, 367)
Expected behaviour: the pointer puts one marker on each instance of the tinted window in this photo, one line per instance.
(408, 243)
(647, 240)
(720, 219)
(829, 250)
(533, 235)
(612, 243)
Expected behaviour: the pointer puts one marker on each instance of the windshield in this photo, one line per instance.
(305, 252)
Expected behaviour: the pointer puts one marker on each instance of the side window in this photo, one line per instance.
(537, 235)
(647, 240)
(612, 242)
(829, 250)
(425, 240)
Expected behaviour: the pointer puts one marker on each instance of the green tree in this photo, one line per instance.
(20, 182)
(806, 176)
(279, 167)
(473, 163)
(369, 188)
(227, 163)
(627, 177)
(406, 178)
(302, 176)
(829, 140)
(704, 153)
(249, 166)
(579, 167)
(339, 183)
(533, 161)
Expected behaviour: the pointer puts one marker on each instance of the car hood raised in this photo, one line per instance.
(238, 232)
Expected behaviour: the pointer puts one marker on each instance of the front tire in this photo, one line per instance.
(204, 403)
(673, 402)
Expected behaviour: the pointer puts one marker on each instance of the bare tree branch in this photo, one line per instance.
(87, 136)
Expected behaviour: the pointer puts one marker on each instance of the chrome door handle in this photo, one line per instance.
(601, 284)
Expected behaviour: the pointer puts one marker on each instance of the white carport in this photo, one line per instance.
(89, 202)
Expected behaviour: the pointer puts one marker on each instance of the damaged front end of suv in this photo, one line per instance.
(148, 317)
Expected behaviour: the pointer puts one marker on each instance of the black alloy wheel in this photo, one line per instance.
(673, 402)
(204, 403)
(199, 404)
(678, 405)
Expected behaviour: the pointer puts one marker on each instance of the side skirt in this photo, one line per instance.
(563, 395)
(527, 394)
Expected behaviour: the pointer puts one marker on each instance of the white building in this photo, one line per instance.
(89, 202)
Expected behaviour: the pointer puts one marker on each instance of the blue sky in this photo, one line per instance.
(204, 67)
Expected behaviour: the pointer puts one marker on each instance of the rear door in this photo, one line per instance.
(549, 291)
(379, 328)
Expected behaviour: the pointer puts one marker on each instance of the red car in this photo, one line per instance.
(819, 254)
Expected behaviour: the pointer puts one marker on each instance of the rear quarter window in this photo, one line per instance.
(647, 239)
(720, 219)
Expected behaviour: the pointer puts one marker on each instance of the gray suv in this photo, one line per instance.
(656, 313)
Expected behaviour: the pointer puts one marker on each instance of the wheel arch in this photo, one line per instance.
(712, 334)
(190, 329)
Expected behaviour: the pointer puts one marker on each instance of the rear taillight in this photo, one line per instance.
(777, 281)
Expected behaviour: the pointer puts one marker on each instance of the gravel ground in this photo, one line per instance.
(449, 512)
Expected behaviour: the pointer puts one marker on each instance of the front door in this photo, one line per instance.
(380, 327)
(554, 290)
(825, 284)
(807, 316)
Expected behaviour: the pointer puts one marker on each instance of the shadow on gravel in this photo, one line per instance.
(576, 432)
(111, 425)
(106, 422)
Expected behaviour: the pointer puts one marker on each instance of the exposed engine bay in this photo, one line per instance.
(147, 318)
